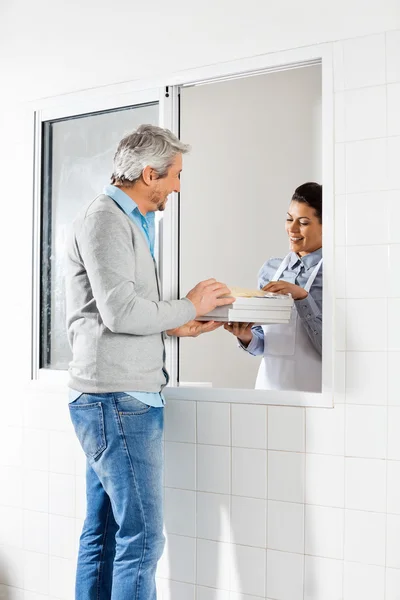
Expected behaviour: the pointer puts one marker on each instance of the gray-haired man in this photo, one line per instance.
(116, 325)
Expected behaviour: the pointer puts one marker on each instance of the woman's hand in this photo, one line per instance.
(241, 330)
(194, 328)
(283, 287)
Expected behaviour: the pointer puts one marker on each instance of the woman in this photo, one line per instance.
(292, 353)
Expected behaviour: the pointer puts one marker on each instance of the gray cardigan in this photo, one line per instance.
(115, 318)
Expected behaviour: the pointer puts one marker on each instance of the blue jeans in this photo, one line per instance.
(122, 538)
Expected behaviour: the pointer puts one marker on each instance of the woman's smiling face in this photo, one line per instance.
(304, 228)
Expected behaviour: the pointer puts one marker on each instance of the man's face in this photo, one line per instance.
(164, 186)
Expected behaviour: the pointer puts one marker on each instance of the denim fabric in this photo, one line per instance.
(122, 538)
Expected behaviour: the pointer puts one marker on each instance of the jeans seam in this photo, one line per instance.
(119, 425)
(103, 551)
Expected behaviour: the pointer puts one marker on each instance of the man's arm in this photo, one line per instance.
(105, 246)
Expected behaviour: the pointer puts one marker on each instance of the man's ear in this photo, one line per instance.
(148, 174)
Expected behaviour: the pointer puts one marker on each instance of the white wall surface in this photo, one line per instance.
(317, 515)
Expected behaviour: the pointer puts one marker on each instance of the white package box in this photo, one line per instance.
(274, 308)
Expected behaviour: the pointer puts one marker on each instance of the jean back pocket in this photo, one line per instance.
(88, 422)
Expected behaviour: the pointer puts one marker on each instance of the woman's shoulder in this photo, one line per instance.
(268, 270)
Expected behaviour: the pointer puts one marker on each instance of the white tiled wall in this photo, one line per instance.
(275, 503)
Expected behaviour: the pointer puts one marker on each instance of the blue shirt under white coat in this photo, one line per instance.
(309, 309)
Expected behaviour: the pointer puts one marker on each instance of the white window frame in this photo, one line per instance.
(129, 94)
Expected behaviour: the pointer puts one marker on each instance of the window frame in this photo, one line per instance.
(166, 89)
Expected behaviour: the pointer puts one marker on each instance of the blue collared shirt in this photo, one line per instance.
(309, 310)
(146, 225)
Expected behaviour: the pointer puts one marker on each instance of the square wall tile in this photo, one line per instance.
(366, 166)
(340, 168)
(340, 132)
(340, 268)
(62, 494)
(249, 521)
(393, 486)
(286, 428)
(364, 537)
(393, 55)
(63, 449)
(325, 430)
(36, 450)
(393, 101)
(181, 557)
(248, 570)
(366, 378)
(365, 113)
(11, 485)
(393, 432)
(363, 581)
(340, 220)
(324, 531)
(286, 476)
(63, 542)
(325, 480)
(214, 469)
(393, 144)
(285, 575)
(366, 431)
(340, 325)
(393, 201)
(62, 577)
(339, 384)
(213, 517)
(393, 382)
(394, 271)
(206, 593)
(393, 541)
(214, 423)
(214, 564)
(286, 526)
(180, 421)
(11, 526)
(80, 497)
(11, 444)
(366, 325)
(249, 472)
(392, 584)
(180, 465)
(364, 61)
(338, 66)
(36, 531)
(36, 572)
(36, 491)
(180, 511)
(249, 426)
(365, 484)
(362, 219)
(394, 324)
(361, 262)
(323, 579)
(175, 590)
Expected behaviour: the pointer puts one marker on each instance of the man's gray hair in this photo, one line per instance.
(147, 146)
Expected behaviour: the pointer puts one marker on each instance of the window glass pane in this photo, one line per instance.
(77, 164)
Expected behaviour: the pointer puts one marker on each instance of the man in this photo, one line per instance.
(116, 323)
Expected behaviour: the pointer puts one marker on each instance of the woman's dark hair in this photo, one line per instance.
(310, 193)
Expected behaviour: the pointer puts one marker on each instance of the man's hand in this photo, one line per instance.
(194, 328)
(283, 287)
(207, 295)
(241, 330)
